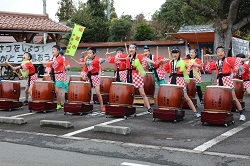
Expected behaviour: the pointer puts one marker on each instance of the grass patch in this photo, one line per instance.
(204, 84)
(75, 69)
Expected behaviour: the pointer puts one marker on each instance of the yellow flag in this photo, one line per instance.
(74, 40)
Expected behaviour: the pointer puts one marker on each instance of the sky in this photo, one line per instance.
(130, 7)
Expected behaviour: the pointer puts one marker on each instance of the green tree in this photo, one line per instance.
(159, 26)
(120, 30)
(66, 10)
(144, 32)
(112, 8)
(228, 16)
(175, 13)
(92, 16)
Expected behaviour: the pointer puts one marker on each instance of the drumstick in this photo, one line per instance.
(202, 61)
(168, 52)
(111, 52)
(107, 53)
(126, 48)
(18, 75)
(75, 60)
(157, 52)
(209, 55)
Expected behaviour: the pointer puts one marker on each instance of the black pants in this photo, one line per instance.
(198, 90)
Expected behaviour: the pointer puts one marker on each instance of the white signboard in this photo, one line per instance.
(239, 46)
(13, 52)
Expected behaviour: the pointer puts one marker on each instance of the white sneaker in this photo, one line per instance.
(242, 118)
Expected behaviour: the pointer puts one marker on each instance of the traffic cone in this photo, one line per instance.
(103, 73)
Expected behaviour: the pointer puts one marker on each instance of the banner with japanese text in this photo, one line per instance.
(240, 46)
(74, 40)
(13, 52)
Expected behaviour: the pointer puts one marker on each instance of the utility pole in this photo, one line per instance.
(108, 9)
(44, 12)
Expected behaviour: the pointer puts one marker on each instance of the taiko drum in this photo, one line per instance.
(218, 99)
(10, 90)
(149, 85)
(191, 88)
(79, 92)
(43, 91)
(75, 78)
(105, 83)
(121, 93)
(238, 88)
(170, 96)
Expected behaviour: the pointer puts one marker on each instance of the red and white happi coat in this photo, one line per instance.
(59, 70)
(224, 67)
(121, 64)
(32, 73)
(197, 76)
(170, 67)
(137, 79)
(159, 68)
(243, 74)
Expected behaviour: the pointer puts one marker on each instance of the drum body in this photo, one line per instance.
(238, 88)
(149, 85)
(43, 91)
(79, 92)
(121, 93)
(191, 88)
(10, 90)
(105, 83)
(218, 99)
(170, 96)
(75, 78)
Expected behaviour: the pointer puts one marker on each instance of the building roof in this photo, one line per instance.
(196, 33)
(196, 28)
(25, 22)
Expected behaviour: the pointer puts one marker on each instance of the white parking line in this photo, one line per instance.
(92, 127)
(16, 116)
(221, 137)
(132, 164)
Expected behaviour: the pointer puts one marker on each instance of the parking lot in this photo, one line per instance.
(189, 138)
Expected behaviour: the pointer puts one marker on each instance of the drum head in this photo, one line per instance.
(75, 76)
(49, 82)
(8, 81)
(79, 82)
(171, 85)
(122, 83)
(237, 80)
(219, 87)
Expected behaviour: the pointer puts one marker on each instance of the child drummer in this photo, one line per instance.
(28, 71)
(136, 64)
(92, 67)
(243, 74)
(58, 74)
(156, 69)
(224, 66)
(119, 62)
(177, 68)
